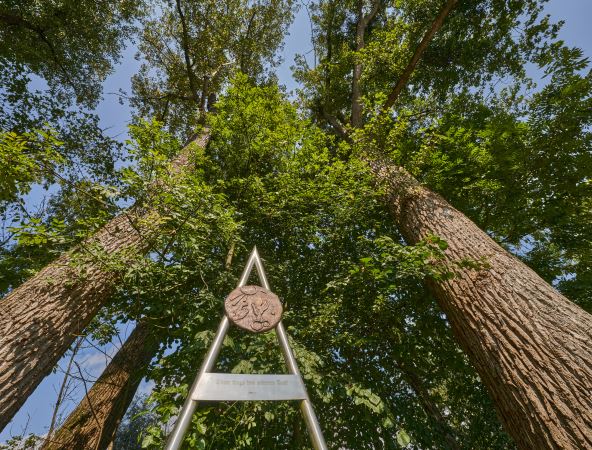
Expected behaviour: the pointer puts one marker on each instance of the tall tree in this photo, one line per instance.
(47, 303)
(523, 369)
(53, 59)
(363, 327)
(94, 422)
(191, 47)
(522, 335)
(71, 45)
(41, 318)
(314, 217)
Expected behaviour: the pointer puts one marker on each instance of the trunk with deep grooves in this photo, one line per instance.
(531, 346)
(40, 319)
(92, 425)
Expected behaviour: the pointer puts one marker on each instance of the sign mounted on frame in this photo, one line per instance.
(255, 309)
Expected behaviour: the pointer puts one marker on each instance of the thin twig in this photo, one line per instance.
(86, 394)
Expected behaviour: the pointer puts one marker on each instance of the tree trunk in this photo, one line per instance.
(93, 424)
(40, 319)
(530, 345)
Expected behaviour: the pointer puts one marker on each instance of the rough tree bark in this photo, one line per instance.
(530, 345)
(40, 319)
(93, 424)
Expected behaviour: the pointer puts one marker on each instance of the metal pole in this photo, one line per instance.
(184, 420)
(312, 423)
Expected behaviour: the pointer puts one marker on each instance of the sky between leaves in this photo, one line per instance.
(35, 415)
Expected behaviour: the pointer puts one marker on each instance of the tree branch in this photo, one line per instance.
(337, 127)
(185, 45)
(18, 21)
(86, 394)
(402, 82)
(61, 393)
(229, 256)
(412, 378)
(363, 22)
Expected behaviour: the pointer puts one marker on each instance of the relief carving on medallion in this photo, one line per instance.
(253, 308)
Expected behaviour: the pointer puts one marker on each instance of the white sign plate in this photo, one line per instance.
(241, 387)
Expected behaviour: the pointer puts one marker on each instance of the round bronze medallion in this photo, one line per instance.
(253, 308)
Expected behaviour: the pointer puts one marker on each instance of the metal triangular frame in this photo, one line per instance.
(216, 386)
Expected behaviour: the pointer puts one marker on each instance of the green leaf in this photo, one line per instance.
(403, 439)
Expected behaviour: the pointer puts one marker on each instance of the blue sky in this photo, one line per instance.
(576, 32)
(36, 413)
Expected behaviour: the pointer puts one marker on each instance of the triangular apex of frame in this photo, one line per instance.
(254, 261)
